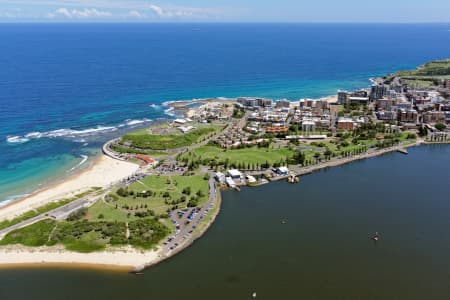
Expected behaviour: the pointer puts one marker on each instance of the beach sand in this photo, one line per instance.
(103, 172)
(125, 258)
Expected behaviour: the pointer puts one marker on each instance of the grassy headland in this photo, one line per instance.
(142, 139)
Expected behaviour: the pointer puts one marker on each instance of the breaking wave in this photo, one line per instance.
(83, 160)
(170, 112)
(72, 133)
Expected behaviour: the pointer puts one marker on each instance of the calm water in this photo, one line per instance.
(322, 252)
(64, 89)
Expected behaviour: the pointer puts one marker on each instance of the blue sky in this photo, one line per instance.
(401, 11)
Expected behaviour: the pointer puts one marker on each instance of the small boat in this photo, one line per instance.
(376, 237)
(254, 295)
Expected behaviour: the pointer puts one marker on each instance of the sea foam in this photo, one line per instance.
(72, 133)
(84, 158)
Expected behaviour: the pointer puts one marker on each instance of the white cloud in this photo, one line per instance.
(183, 12)
(79, 13)
(135, 14)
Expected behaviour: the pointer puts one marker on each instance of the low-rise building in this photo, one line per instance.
(434, 117)
(345, 124)
(384, 104)
(277, 129)
(308, 125)
(220, 177)
(407, 115)
(234, 174)
(387, 115)
(358, 100)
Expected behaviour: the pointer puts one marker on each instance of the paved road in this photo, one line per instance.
(184, 233)
(59, 213)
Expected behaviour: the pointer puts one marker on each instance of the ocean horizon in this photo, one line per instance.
(67, 88)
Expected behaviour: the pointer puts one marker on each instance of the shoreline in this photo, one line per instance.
(129, 259)
(125, 259)
(344, 161)
(102, 172)
(52, 182)
(115, 259)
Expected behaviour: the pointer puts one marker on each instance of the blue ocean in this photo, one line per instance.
(67, 88)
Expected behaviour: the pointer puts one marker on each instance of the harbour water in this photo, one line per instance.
(304, 241)
(66, 88)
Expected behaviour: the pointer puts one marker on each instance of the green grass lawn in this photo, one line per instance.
(142, 139)
(245, 156)
(126, 208)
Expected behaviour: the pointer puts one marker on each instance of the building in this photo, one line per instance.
(220, 177)
(283, 103)
(277, 129)
(447, 117)
(438, 136)
(434, 117)
(234, 174)
(345, 124)
(247, 102)
(377, 91)
(407, 115)
(358, 100)
(360, 94)
(186, 129)
(146, 159)
(384, 104)
(308, 126)
(342, 97)
(387, 115)
(264, 102)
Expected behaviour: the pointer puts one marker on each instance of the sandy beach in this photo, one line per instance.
(126, 258)
(103, 172)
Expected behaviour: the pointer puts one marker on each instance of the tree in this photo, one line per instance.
(299, 158)
(122, 192)
(187, 190)
(328, 153)
(440, 126)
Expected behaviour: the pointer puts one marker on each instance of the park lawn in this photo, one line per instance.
(128, 206)
(109, 212)
(246, 156)
(142, 139)
(154, 154)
